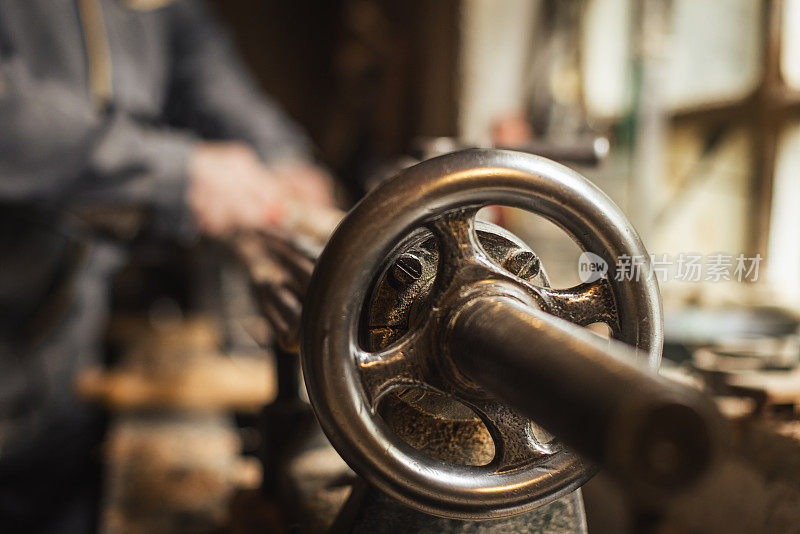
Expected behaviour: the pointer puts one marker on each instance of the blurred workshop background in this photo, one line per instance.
(690, 105)
(685, 112)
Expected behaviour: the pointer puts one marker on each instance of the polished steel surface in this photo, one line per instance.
(345, 381)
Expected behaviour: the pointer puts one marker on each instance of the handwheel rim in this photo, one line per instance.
(358, 250)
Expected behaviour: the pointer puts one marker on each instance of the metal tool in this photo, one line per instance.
(491, 336)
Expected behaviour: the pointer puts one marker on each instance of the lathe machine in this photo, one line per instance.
(464, 391)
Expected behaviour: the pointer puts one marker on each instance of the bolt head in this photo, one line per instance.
(522, 263)
(407, 269)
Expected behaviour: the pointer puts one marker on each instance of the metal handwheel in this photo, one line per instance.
(347, 375)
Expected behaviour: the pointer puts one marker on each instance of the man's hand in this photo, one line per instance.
(231, 190)
(308, 183)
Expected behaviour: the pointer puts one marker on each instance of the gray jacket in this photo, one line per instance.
(100, 103)
(173, 79)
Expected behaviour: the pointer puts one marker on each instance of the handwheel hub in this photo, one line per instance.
(400, 301)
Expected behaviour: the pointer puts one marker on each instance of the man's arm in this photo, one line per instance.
(213, 93)
(57, 151)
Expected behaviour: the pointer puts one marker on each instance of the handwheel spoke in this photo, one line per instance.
(583, 304)
(455, 235)
(384, 370)
(517, 440)
(458, 247)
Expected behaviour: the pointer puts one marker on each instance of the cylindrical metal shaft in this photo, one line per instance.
(587, 391)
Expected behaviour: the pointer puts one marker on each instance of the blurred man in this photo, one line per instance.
(110, 104)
